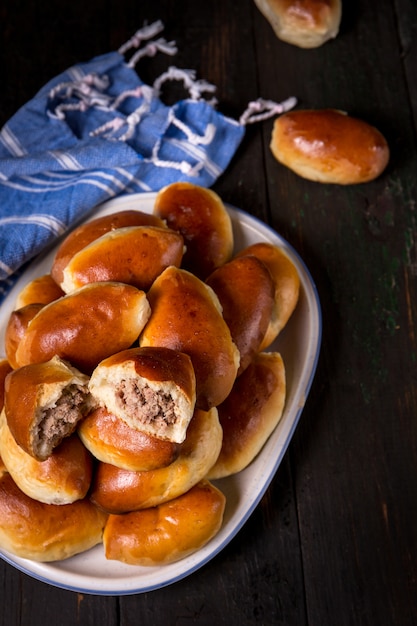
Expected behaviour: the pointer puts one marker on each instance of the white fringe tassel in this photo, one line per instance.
(261, 109)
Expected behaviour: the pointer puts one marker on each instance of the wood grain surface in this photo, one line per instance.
(334, 540)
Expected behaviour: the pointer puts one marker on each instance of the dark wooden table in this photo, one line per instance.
(334, 540)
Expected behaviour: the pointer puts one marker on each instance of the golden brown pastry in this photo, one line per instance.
(168, 532)
(46, 532)
(152, 389)
(16, 327)
(119, 491)
(84, 234)
(201, 217)
(5, 368)
(286, 282)
(111, 440)
(303, 23)
(186, 316)
(86, 326)
(329, 146)
(43, 404)
(246, 292)
(134, 255)
(250, 414)
(41, 290)
(63, 478)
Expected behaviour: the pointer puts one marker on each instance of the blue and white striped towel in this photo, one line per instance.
(97, 131)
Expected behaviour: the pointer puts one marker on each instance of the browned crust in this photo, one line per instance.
(250, 413)
(27, 390)
(286, 286)
(5, 368)
(246, 292)
(303, 23)
(16, 328)
(86, 326)
(201, 217)
(88, 232)
(63, 478)
(134, 255)
(41, 290)
(157, 364)
(329, 146)
(119, 491)
(46, 532)
(168, 532)
(112, 441)
(186, 316)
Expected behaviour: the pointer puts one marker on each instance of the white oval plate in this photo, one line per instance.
(299, 345)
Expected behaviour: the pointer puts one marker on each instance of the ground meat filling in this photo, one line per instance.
(60, 420)
(145, 404)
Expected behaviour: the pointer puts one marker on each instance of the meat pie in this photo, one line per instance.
(118, 491)
(246, 292)
(286, 283)
(85, 326)
(187, 316)
(86, 233)
(46, 532)
(200, 216)
(111, 440)
(168, 532)
(43, 403)
(152, 389)
(250, 413)
(134, 255)
(63, 478)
